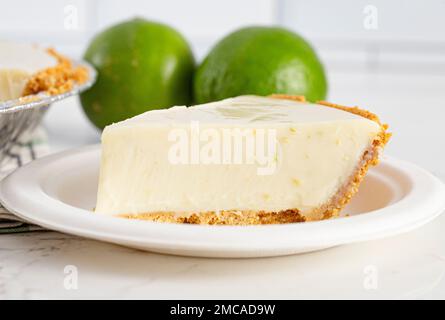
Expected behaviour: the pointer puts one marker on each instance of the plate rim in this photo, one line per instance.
(9, 192)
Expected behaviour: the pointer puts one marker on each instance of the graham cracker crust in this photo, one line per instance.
(58, 79)
(330, 210)
(234, 218)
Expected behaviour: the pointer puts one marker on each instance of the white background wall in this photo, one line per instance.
(406, 31)
(388, 55)
(201, 21)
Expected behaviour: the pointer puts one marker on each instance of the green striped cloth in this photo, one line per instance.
(27, 149)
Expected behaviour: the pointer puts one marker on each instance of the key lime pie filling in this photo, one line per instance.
(242, 161)
(29, 69)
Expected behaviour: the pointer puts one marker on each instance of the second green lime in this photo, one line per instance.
(262, 61)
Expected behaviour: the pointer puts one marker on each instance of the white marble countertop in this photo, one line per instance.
(43, 264)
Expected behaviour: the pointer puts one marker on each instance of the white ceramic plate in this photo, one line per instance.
(59, 192)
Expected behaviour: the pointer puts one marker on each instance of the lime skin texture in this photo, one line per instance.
(260, 61)
(141, 66)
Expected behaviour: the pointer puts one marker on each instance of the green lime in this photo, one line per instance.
(141, 66)
(261, 61)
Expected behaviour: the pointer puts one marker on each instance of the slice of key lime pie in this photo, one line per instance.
(240, 161)
(29, 69)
